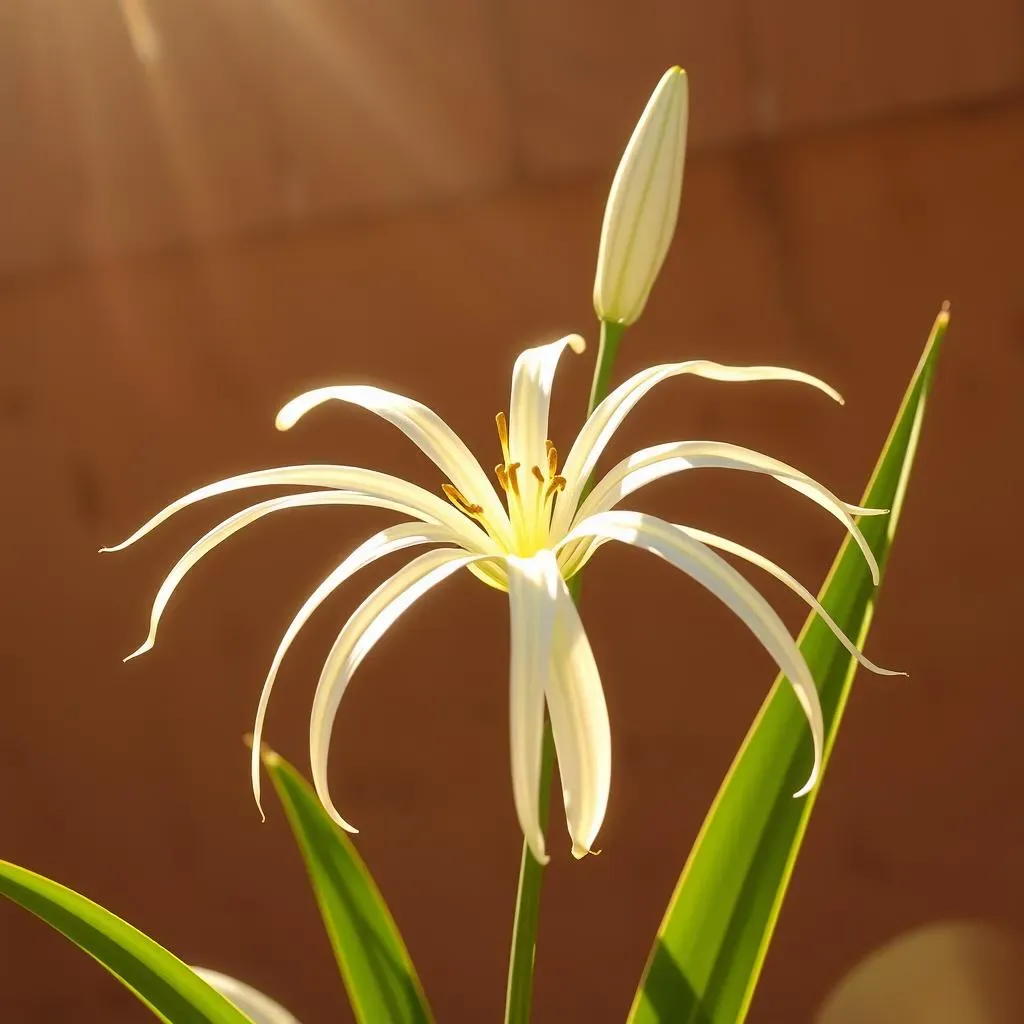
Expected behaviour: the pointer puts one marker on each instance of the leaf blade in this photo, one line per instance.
(168, 986)
(375, 965)
(712, 942)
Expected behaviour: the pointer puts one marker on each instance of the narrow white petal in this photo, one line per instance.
(579, 723)
(661, 460)
(390, 489)
(730, 546)
(699, 561)
(395, 538)
(366, 626)
(424, 428)
(229, 527)
(532, 381)
(532, 595)
(606, 418)
(260, 1009)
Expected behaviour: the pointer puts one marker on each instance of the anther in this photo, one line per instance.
(499, 472)
(556, 485)
(502, 425)
(552, 459)
(535, 470)
(456, 497)
(513, 482)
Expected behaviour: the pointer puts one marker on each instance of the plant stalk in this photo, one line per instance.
(519, 995)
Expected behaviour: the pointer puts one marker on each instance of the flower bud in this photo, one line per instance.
(643, 204)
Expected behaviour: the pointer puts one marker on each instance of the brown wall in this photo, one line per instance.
(407, 200)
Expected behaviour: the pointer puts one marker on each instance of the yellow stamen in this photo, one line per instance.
(556, 485)
(499, 472)
(458, 499)
(552, 459)
(513, 482)
(502, 425)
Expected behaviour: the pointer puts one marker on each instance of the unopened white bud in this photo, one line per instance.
(643, 205)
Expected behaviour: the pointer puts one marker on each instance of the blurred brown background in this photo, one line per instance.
(210, 205)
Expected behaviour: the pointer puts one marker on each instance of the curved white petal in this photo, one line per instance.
(366, 626)
(661, 460)
(579, 724)
(390, 489)
(711, 570)
(387, 542)
(424, 428)
(229, 527)
(533, 589)
(260, 1009)
(606, 418)
(532, 380)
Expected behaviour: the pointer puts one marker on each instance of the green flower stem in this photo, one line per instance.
(519, 994)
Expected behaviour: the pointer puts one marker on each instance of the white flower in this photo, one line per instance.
(527, 545)
(643, 204)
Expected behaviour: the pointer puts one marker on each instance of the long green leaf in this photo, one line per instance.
(171, 989)
(712, 942)
(375, 966)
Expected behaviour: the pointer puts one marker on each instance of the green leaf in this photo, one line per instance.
(375, 966)
(712, 942)
(171, 989)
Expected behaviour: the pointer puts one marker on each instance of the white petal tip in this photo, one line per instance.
(114, 547)
(807, 786)
(282, 422)
(146, 647)
(577, 343)
(579, 851)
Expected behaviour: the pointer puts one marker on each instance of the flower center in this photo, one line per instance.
(530, 497)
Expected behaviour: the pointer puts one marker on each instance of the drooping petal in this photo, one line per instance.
(366, 626)
(390, 489)
(424, 428)
(467, 534)
(579, 724)
(606, 418)
(770, 567)
(699, 561)
(387, 542)
(661, 460)
(260, 1009)
(532, 380)
(533, 589)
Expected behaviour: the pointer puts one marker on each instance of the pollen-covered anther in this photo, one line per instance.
(502, 424)
(538, 475)
(513, 480)
(502, 475)
(552, 459)
(458, 499)
(557, 484)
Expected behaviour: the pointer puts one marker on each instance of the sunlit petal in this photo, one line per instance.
(532, 381)
(579, 724)
(260, 1009)
(395, 538)
(390, 489)
(533, 588)
(699, 561)
(652, 464)
(424, 428)
(240, 520)
(366, 626)
(606, 418)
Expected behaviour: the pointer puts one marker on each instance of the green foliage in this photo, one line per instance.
(712, 942)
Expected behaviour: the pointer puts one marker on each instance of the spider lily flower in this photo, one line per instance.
(643, 204)
(525, 537)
